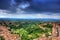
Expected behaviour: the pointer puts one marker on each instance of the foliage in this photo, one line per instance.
(30, 30)
(1, 38)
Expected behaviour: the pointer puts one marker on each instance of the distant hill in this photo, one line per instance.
(37, 19)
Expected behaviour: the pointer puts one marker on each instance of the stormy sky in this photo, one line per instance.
(27, 9)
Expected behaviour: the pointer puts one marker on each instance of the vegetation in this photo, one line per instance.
(1, 38)
(30, 30)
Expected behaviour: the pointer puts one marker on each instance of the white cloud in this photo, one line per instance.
(22, 14)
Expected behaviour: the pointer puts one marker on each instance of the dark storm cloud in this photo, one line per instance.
(31, 5)
(4, 4)
(41, 6)
(30, 9)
